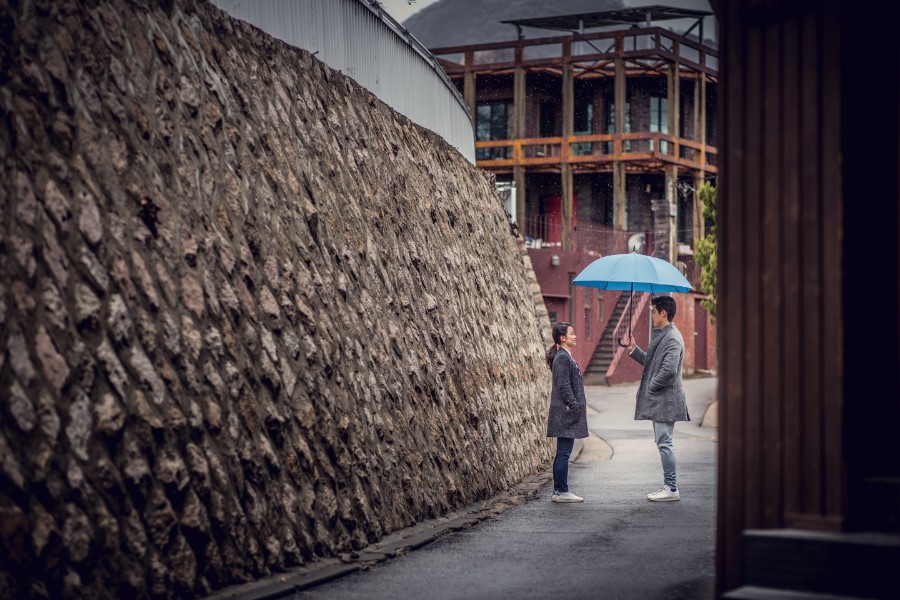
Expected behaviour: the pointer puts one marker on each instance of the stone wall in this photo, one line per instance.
(249, 314)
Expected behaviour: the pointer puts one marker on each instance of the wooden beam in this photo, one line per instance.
(672, 201)
(519, 110)
(608, 35)
(699, 225)
(620, 208)
(567, 197)
(673, 80)
(568, 125)
(568, 94)
(469, 84)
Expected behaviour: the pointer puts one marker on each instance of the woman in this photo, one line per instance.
(567, 419)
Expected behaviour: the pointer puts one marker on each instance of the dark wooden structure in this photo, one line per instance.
(809, 334)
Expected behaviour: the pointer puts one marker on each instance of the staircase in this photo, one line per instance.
(595, 374)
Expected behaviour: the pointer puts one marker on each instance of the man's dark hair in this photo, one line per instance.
(665, 303)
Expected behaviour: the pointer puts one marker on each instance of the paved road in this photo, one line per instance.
(614, 545)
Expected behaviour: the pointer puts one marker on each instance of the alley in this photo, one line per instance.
(615, 545)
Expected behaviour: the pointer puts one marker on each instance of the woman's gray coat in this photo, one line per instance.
(567, 417)
(660, 396)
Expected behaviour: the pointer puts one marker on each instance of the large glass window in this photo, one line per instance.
(494, 122)
(659, 120)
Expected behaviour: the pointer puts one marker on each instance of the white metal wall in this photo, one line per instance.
(359, 39)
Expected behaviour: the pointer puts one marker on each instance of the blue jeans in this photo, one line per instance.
(561, 464)
(662, 431)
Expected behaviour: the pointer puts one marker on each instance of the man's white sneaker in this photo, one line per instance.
(654, 493)
(664, 495)
(567, 497)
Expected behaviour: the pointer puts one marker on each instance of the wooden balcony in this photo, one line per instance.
(641, 152)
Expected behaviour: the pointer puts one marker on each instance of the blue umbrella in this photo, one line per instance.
(633, 272)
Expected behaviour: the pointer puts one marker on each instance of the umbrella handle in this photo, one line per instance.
(630, 318)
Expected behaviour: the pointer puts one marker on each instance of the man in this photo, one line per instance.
(660, 397)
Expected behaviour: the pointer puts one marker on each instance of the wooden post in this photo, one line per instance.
(700, 133)
(519, 107)
(672, 202)
(620, 207)
(674, 81)
(699, 225)
(567, 233)
(469, 85)
(568, 125)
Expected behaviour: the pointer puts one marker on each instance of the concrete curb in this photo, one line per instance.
(711, 416)
(396, 544)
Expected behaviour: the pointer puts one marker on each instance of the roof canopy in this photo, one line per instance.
(608, 18)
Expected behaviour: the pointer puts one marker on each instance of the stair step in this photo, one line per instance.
(594, 379)
(752, 592)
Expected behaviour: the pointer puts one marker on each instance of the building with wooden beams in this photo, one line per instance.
(605, 133)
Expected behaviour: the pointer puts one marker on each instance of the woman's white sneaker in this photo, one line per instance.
(664, 495)
(567, 497)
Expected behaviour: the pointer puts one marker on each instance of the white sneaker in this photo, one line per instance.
(656, 492)
(664, 495)
(566, 497)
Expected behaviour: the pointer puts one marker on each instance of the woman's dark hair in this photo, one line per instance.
(559, 331)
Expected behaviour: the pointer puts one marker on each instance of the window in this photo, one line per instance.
(611, 125)
(600, 306)
(493, 122)
(583, 118)
(659, 120)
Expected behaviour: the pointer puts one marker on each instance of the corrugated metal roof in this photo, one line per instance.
(362, 41)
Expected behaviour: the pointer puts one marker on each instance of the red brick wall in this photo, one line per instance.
(684, 321)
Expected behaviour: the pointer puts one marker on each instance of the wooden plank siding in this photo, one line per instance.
(781, 455)
(772, 318)
(730, 309)
(789, 187)
(832, 274)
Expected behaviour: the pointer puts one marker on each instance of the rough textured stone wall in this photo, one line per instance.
(249, 314)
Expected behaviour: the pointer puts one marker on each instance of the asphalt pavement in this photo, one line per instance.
(614, 545)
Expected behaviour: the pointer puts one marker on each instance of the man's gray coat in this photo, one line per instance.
(660, 396)
(567, 417)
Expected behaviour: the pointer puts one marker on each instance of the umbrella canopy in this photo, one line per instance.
(633, 272)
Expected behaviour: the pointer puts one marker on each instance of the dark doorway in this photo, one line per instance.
(701, 318)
